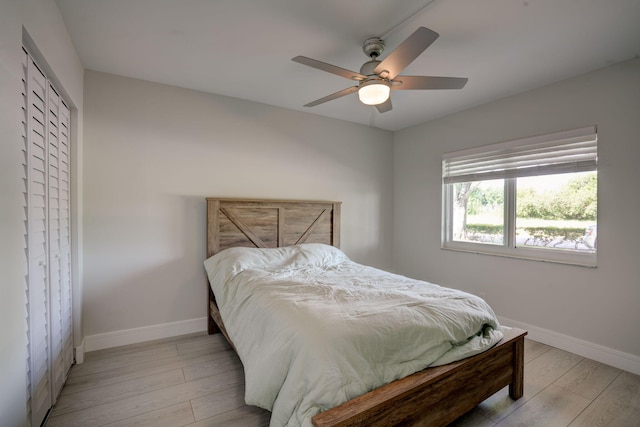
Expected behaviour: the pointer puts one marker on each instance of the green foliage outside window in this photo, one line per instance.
(483, 199)
(577, 200)
(545, 217)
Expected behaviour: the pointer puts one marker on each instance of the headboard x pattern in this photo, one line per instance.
(270, 223)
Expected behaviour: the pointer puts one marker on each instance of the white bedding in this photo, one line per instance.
(314, 329)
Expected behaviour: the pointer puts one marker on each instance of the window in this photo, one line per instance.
(530, 198)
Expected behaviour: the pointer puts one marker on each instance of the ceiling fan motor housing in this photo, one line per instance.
(368, 67)
(373, 47)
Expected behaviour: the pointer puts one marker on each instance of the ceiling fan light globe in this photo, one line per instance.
(374, 93)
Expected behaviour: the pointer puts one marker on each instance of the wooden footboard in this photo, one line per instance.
(432, 397)
(439, 395)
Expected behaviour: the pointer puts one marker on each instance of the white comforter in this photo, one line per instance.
(314, 329)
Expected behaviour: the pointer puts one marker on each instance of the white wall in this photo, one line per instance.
(43, 23)
(597, 306)
(154, 152)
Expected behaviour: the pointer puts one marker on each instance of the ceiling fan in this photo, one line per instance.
(377, 78)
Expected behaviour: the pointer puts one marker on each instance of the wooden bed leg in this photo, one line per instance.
(516, 388)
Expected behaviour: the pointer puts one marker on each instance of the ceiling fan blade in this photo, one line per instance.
(385, 106)
(342, 72)
(405, 53)
(333, 96)
(426, 82)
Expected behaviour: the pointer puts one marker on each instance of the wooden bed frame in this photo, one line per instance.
(432, 397)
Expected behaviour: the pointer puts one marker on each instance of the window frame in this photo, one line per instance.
(509, 247)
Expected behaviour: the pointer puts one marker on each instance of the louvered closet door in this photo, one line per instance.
(37, 292)
(64, 231)
(47, 237)
(58, 243)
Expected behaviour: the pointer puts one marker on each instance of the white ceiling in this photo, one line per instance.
(243, 48)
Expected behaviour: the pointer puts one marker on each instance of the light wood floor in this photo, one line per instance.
(197, 380)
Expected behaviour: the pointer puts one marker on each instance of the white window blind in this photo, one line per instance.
(561, 152)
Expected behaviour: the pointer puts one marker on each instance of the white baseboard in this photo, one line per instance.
(146, 333)
(608, 356)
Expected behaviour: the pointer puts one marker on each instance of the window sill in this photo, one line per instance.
(557, 256)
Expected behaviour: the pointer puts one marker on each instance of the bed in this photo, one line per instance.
(433, 396)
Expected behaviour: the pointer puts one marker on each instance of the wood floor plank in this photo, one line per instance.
(543, 365)
(472, 419)
(172, 416)
(499, 406)
(247, 416)
(549, 366)
(121, 409)
(121, 390)
(533, 349)
(588, 378)
(103, 360)
(225, 361)
(203, 342)
(217, 403)
(76, 383)
(617, 406)
(120, 360)
(553, 406)
(146, 345)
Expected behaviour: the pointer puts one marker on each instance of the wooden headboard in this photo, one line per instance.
(264, 223)
(268, 223)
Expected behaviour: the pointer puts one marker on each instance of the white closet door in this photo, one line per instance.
(47, 237)
(58, 371)
(25, 205)
(59, 241)
(64, 224)
(37, 291)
